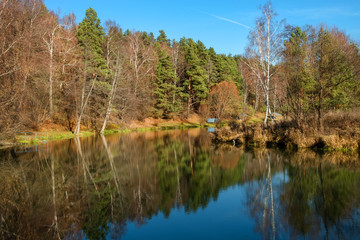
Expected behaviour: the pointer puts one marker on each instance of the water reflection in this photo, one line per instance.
(175, 184)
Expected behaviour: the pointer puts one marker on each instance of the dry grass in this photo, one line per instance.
(341, 132)
(342, 123)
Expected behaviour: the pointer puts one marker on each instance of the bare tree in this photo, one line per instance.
(114, 62)
(264, 51)
(139, 57)
(49, 37)
(21, 104)
(139, 72)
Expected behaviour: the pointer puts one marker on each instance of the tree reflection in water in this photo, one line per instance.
(97, 187)
(260, 197)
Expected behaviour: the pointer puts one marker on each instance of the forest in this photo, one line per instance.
(92, 75)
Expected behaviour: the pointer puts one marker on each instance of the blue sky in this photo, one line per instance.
(215, 23)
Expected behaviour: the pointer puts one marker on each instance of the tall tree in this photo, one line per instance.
(50, 37)
(265, 47)
(167, 92)
(91, 39)
(114, 62)
(140, 73)
(296, 69)
(195, 83)
(332, 74)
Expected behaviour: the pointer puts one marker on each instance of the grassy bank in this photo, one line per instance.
(35, 138)
(340, 133)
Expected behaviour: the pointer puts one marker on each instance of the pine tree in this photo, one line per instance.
(167, 91)
(162, 38)
(297, 74)
(90, 36)
(211, 67)
(196, 76)
(91, 39)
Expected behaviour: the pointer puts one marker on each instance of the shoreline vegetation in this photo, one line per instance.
(52, 132)
(340, 133)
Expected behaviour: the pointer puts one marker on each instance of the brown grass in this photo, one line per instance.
(341, 131)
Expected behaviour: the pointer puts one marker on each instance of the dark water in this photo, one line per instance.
(175, 185)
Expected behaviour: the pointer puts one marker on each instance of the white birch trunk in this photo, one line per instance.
(111, 96)
(83, 106)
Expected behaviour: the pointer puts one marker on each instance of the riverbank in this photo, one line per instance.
(51, 131)
(340, 133)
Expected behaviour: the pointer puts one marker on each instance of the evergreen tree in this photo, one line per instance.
(147, 38)
(228, 70)
(91, 39)
(127, 33)
(297, 74)
(211, 67)
(162, 38)
(167, 91)
(196, 76)
(203, 54)
(319, 73)
(332, 76)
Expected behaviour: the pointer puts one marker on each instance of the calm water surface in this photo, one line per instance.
(175, 185)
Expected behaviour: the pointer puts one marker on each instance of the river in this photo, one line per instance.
(175, 185)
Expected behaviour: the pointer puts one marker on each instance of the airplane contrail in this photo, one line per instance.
(222, 18)
(229, 20)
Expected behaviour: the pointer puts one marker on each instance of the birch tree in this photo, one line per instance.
(263, 52)
(49, 37)
(114, 62)
(140, 71)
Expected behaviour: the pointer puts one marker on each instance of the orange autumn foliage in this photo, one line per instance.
(224, 100)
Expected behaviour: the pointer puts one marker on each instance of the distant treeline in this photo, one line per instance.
(83, 74)
(51, 67)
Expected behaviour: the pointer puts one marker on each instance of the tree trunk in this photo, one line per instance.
(319, 110)
(256, 97)
(51, 84)
(245, 97)
(189, 100)
(111, 98)
(319, 121)
(83, 106)
(267, 105)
